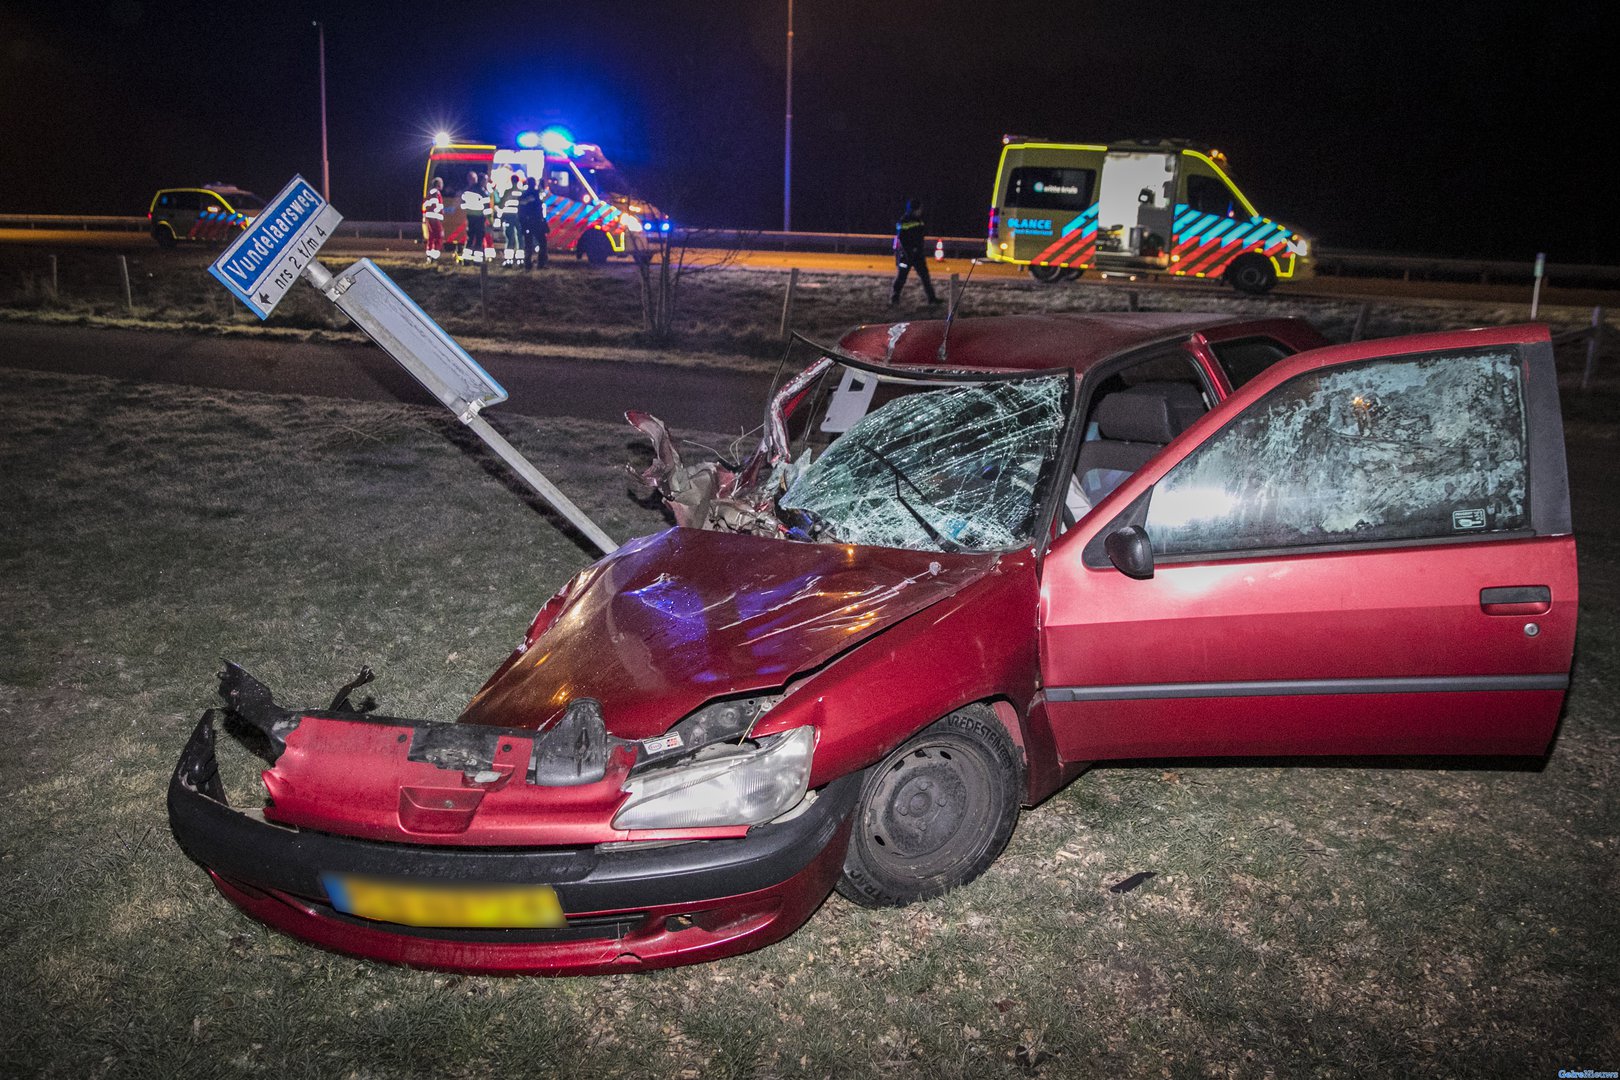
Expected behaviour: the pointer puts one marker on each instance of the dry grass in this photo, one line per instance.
(1304, 921)
(727, 316)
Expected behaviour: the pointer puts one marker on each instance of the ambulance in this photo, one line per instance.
(591, 208)
(1135, 209)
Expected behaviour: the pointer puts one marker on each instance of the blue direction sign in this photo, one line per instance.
(265, 260)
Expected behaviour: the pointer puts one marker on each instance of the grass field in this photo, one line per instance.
(1304, 920)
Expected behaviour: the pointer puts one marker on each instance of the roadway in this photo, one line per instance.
(702, 399)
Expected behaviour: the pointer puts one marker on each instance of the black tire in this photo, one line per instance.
(1252, 274)
(596, 248)
(1074, 273)
(164, 235)
(935, 813)
(1046, 275)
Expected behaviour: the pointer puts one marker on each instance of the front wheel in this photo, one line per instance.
(1252, 274)
(1046, 275)
(935, 813)
(163, 233)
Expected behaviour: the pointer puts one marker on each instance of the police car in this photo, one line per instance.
(214, 213)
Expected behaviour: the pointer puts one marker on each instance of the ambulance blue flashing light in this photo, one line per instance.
(528, 139)
(556, 140)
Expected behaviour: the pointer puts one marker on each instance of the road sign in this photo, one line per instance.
(390, 318)
(284, 238)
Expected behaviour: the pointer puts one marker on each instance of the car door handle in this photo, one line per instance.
(1516, 600)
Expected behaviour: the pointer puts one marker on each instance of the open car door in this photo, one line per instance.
(1365, 550)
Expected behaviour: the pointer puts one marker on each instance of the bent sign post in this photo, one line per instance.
(280, 247)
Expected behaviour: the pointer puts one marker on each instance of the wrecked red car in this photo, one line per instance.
(963, 564)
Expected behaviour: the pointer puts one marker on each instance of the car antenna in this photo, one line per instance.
(956, 302)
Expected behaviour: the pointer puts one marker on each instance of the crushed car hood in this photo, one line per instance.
(674, 620)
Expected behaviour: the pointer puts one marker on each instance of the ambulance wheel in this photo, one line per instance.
(1046, 275)
(1074, 273)
(164, 236)
(595, 247)
(1252, 274)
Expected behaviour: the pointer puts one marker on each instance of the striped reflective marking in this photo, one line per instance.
(1432, 684)
(1197, 233)
(1068, 247)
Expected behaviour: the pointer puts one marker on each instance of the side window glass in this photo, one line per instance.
(1208, 195)
(1243, 360)
(1413, 448)
(1033, 188)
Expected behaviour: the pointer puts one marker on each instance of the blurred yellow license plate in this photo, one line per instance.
(415, 904)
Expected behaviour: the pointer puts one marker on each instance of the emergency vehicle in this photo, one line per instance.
(213, 213)
(1135, 208)
(590, 206)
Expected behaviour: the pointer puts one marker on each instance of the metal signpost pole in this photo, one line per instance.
(1535, 294)
(281, 247)
(326, 168)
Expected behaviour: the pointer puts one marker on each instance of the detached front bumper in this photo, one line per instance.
(626, 908)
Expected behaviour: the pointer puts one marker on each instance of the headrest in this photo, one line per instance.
(1149, 412)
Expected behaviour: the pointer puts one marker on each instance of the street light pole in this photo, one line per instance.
(787, 141)
(326, 168)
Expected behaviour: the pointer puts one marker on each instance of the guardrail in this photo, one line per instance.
(1329, 261)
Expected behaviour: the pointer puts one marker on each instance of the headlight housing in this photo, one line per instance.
(631, 222)
(722, 785)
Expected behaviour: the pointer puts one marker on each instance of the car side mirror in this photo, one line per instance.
(1131, 552)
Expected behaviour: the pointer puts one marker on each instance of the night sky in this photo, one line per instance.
(1467, 130)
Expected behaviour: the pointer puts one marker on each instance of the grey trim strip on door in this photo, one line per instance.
(1435, 684)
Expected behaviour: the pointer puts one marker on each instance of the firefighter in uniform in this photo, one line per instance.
(909, 254)
(474, 203)
(511, 231)
(433, 220)
(489, 219)
(532, 220)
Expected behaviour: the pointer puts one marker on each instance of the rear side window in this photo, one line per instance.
(1033, 188)
(1243, 360)
(181, 200)
(1426, 447)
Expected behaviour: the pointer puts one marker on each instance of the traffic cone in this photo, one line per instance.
(939, 249)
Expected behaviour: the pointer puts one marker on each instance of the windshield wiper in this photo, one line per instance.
(900, 477)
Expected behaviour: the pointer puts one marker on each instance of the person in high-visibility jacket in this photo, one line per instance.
(433, 220)
(511, 230)
(489, 218)
(474, 203)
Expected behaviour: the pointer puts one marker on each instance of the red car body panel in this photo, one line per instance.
(657, 936)
(674, 620)
(1031, 342)
(976, 645)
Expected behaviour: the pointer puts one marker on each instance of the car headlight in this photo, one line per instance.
(631, 222)
(722, 785)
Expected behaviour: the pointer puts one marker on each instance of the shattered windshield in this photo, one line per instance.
(955, 469)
